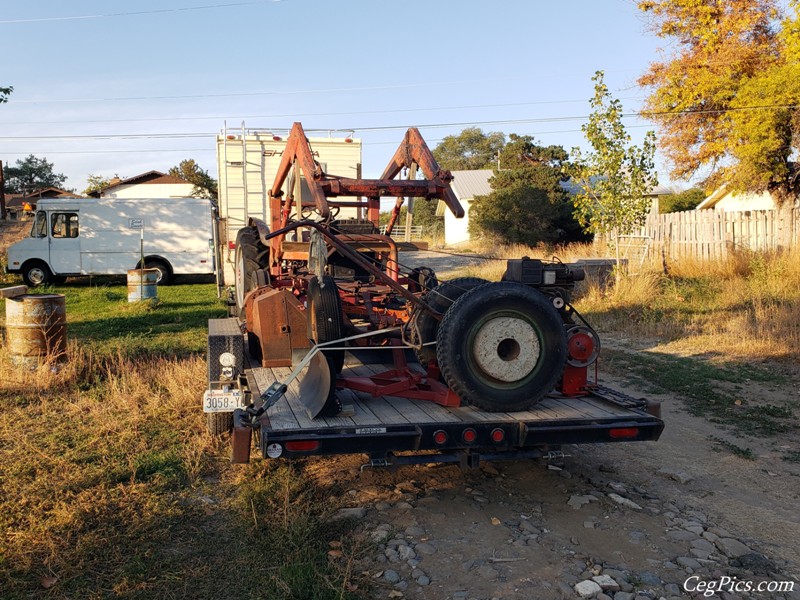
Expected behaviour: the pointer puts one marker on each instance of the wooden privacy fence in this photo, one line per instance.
(712, 234)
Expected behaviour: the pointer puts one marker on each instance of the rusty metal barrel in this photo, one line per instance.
(142, 284)
(36, 327)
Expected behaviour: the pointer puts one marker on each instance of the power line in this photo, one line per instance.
(303, 115)
(138, 13)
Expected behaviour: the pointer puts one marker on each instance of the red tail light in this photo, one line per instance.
(469, 435)
(498, 435)
(302, 446)
(439, 437)
(623, 433)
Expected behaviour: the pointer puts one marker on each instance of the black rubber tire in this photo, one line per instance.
(440, 298)
(422, 279)
(251, 255)
(325, 317)
(219, 423)
(36, 273)
(472, 314)
(164, 276)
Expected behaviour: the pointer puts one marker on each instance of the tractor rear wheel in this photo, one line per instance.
(440, 298)
(325, 317)
(502, 346)
(251, 255)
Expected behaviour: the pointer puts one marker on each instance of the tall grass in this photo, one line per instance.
(111, 486)
(747, 306)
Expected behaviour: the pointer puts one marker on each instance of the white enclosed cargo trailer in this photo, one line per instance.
(109, 236)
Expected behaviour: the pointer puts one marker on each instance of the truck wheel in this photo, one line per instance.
(440, 298)
(502, 346)
(325, 317)
(164, 276)
(219, 423)
(251, 255)
(36, 273)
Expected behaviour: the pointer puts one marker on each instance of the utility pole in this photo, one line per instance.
(2, 193)
(412, 175)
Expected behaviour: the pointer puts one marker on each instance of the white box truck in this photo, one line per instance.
(107, 236)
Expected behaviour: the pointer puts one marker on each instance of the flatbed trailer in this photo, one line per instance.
(395, 430)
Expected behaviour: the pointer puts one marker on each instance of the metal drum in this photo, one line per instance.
(142, 284)
(36, 327)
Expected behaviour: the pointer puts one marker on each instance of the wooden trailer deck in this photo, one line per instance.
(368, 411)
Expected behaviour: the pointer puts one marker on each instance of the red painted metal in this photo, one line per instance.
(403, 381)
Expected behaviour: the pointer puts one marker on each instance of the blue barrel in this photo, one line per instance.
(142, 284)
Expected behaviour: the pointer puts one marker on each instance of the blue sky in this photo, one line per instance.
(175, 72)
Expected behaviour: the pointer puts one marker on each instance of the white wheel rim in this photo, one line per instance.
(506, 349)
(36, 275)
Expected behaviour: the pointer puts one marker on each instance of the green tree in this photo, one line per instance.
(528, 204)
(5, 92)
(97, 183)
(205, 186)
(685, 200)
(726, 98)
(615, 178)
(470, 149)
(31, 174)
(519, 214)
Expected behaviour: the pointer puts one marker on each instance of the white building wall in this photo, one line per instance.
(456, 231)
(737, 202)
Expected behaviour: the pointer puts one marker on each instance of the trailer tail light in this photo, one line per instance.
(231, 245)
(469, 435)
(276, 138)
(623, 433)
(302, 446)
(440, 437)
(498, 435)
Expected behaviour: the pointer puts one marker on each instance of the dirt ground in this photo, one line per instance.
(516, 530)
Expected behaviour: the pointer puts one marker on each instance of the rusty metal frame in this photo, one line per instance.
(298, 154)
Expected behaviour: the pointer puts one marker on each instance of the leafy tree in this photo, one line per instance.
(470, 149)
(685, 200)
(31, 174)
(424, 213)
(97, 183)
(205, 186)
(519, 214)
(528, 204)
(616, 176)
(5, 92)
(726, 99)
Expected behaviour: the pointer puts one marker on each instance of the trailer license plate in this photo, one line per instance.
(221, 401)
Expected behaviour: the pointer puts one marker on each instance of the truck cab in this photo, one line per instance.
(52, 250)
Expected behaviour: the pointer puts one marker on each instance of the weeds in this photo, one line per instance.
(745, 453)
(112, 487)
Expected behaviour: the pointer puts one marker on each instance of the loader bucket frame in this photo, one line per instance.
(298, 154)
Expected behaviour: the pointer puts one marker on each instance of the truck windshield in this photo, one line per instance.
(39, 228)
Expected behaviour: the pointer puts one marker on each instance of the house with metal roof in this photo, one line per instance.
(153, 184)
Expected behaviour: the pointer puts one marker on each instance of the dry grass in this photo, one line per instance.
(746, 307)
(112, 487)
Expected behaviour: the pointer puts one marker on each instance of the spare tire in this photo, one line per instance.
(502, 346)
(424, 325)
